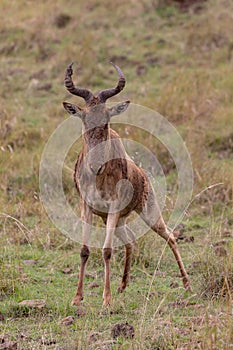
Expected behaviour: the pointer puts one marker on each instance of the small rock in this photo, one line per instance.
(31, 262)
(122, 329)
(67, 270)
(8, 49)
(153, 61)
(93, 337)
(189, 239)
(91, 275)
(62, 20)
(220, 243)
(104, 345)
(35, 303)
(162, 41)
(41, 74)
(16, 71)
(74, 275)
(198, 226)
(3, 338)
(220, 251)
(19, 268)
(93, 285)
(184, 303)
(178, 235)
(174, 285)
(46, 86)
(116, 311)
(195, 264)
(94, 294)
(23, 336)
(120, 59)
(180, 228)
(81, 312)
(24, 276)
(196, 306)
(148, 37)
(141, 69)
(6, 344)
(48, 341)
(178, 303)
(67, 321)
(227, 233)
(160, 273)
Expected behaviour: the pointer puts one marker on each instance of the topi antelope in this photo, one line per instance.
(102, 176)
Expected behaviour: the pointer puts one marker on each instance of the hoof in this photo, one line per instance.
(187, 285)
(121, 288)
(189, 288)
(77, 300)
(107, 301)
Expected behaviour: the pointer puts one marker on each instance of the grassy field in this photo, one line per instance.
(178, 61)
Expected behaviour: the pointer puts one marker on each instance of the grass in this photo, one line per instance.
(176, 61)
(162, 313)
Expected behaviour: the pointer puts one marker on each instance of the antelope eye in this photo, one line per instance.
(120, 108)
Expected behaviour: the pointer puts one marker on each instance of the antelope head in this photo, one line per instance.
(95, 118)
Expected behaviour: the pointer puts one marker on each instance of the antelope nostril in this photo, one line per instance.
(96, 169)
(99, 170)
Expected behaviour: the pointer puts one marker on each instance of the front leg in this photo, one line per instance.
(107, 252)
(86, 215)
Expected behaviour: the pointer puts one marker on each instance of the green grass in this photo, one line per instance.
(163, 315)
(176, 62)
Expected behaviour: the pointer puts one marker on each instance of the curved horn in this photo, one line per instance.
(84, 93)
(105, 94)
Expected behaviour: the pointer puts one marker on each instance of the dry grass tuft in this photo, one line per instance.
(218, 275)
(211, 34)
(189, 96)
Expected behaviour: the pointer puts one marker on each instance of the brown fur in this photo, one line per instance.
(115, 170)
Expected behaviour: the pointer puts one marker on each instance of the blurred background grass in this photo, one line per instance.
(177, 60)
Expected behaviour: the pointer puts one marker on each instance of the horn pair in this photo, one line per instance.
(87, 94)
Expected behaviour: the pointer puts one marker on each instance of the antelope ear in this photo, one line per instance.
(119, 108)
(74, 110)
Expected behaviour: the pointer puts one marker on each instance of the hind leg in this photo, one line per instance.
(124, 233)
(152, 216)
(162, 230)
